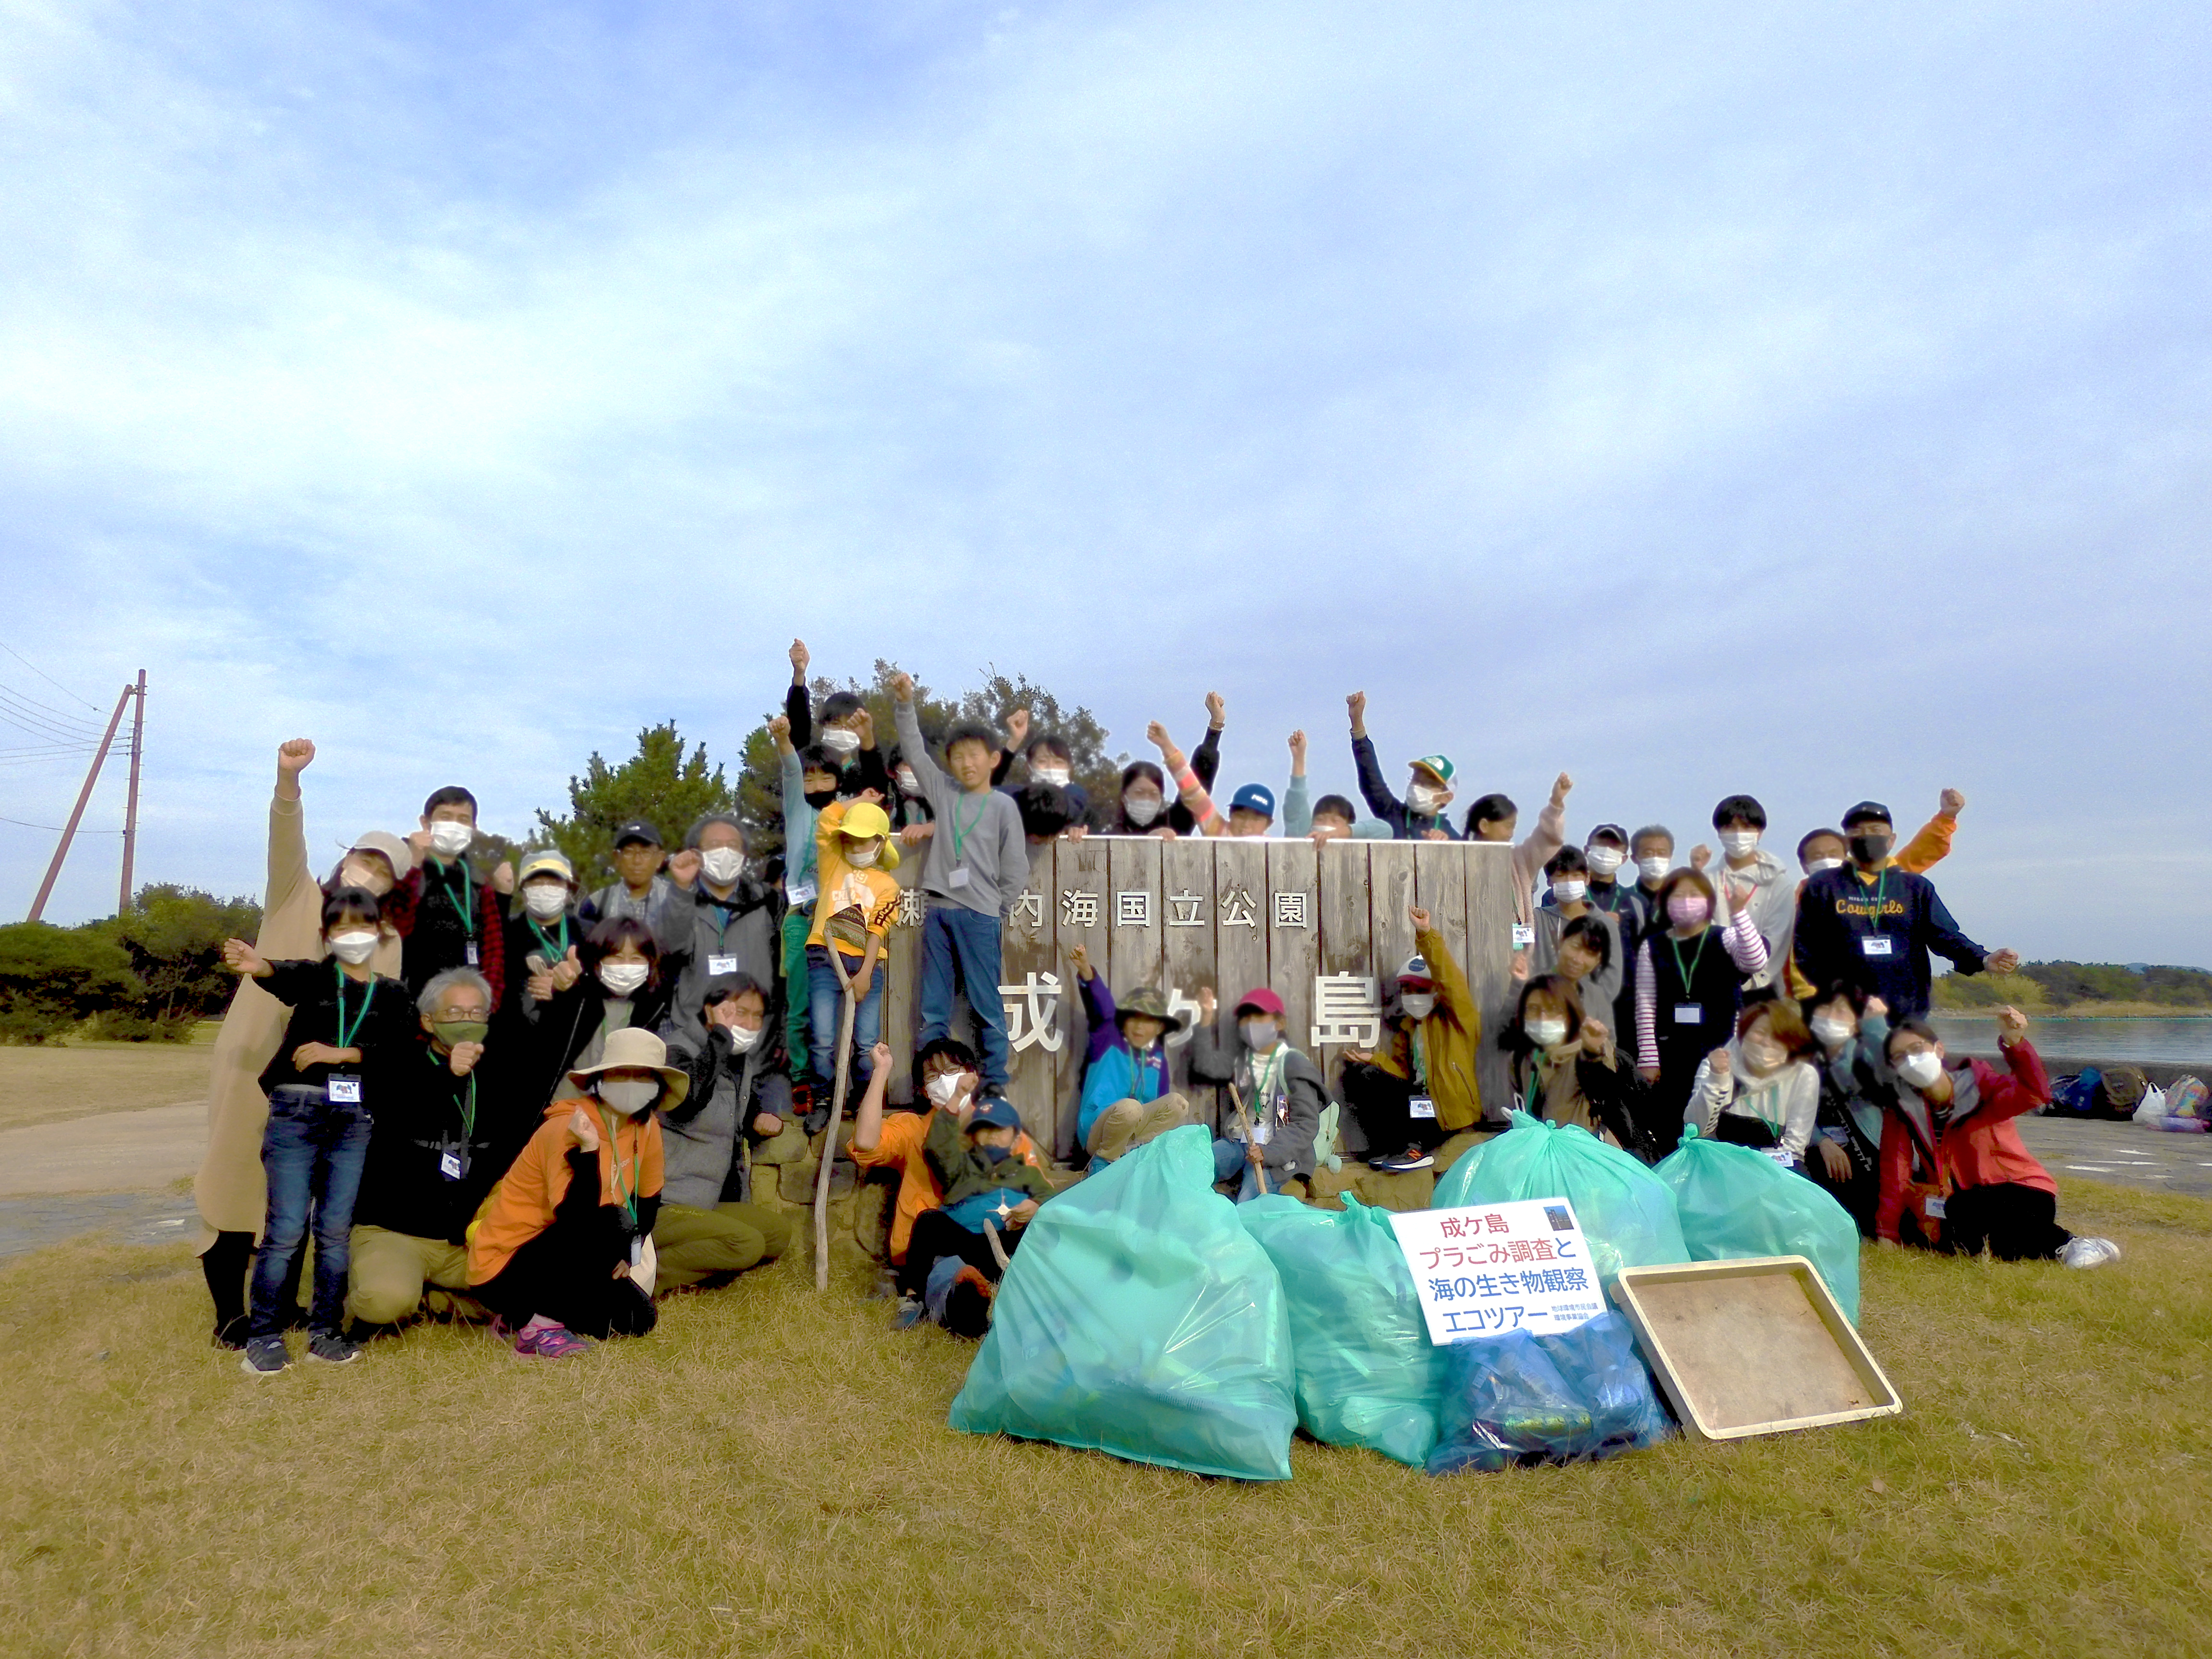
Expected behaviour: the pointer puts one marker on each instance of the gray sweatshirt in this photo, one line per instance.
(980, 833)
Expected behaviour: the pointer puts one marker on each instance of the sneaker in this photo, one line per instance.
(332, 1349)
(2089, 1252)
(1405, 1164)
(265, 1356)
(548, 1341)
(910, 1311)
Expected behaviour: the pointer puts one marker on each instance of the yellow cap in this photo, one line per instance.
(865, 821)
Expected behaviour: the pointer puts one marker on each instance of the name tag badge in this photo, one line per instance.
(449, 1165)
(1523, 936)
(345, 1090)
(1878, 944)
(471, 953)
(721, 965)
(1689, 1013)
(1778, 1156)
(799, 892)
(959, 876)
(1421, 1106)
(1934, 1208)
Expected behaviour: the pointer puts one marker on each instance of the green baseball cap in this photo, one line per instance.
(1439, 765)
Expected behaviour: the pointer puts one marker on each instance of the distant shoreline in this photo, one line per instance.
(2085, 1010)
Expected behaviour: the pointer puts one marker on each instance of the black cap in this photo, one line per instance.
(1868, 811)
(639, 830)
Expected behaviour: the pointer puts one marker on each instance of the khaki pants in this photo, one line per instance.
(702, 1247)
(1127, 1125)
(394, 1275)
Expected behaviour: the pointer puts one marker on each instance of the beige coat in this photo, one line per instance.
(229, 1189)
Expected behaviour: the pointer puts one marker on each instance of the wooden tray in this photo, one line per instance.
(1751, 1346)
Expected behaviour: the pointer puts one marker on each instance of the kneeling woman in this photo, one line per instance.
(564, 1249)
(1759, 1090)
(1955, 1176)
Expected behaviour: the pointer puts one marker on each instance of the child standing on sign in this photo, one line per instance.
(977, 865)
(345, 1023)
(1281, 1091)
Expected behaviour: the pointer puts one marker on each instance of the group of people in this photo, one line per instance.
(505, 1095)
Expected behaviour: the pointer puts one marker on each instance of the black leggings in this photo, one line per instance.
(2015, 1222)
(937, 1234)
(225, 1265)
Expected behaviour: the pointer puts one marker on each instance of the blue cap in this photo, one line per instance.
(994, 1112)
(1254, 798)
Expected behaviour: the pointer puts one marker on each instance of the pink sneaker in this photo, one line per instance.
(543, 1340)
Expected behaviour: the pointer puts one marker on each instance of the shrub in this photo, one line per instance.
(54, 978)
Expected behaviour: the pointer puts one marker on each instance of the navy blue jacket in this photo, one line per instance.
(1405, 826)
(1878, 935)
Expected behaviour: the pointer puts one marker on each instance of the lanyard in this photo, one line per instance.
(1535, 1084)
(369, 995)
(1696, 956)
(553, 952)
(1880, 892)
(962, 831)
(466, 904)
(1420, 1060)
(468, 1111)
(614, 1180)
(1265, 1077)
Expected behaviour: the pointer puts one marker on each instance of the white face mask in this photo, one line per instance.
(742, 1038)
(545, 899)
(622, 977)
(1655, 868)
(1055, 775)
(1418, 1004)
(1737, 843)
(1569, 890)
(944, 1088)
(1141, 809)
(1259, 1034)
(1814, 866)
(1603, 860)
(861, 855)
(1921, 1068)
(1423, 798)
(629, 1095)
(1832, 1031)
(353, 947)
(838, 741)
(722, 865)
(1546, 1033)
(1764, 1054)
(908, 783)
(448, 838)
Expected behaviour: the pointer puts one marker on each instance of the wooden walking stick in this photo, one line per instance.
(854, 987)
(1251, 1135)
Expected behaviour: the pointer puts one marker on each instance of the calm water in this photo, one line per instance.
(2171, 1041)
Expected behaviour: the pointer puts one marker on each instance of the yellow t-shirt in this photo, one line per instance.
(874, 893)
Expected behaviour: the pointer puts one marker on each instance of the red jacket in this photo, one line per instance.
(1982, 1149)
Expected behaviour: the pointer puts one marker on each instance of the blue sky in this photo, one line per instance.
(1812, 402)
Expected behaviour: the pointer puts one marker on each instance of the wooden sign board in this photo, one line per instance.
(1325, 927)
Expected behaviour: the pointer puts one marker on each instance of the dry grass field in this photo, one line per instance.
(48, 1085)
(770, 1473)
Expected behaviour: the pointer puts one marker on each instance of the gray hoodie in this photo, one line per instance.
(980, 833)
(1287, 1119)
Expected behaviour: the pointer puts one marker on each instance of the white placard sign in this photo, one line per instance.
(1497, 1267)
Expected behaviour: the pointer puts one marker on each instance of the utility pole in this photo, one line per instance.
(131, 805)
(69, 829)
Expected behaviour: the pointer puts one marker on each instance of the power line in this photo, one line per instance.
(47, 677)
(44, 728)
(40, 713)
(56, 827)
(15, 697)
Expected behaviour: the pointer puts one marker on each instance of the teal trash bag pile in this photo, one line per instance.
(1367, 1373)
(1140, 1318)
(1519, 1398)
(1625, 1211)
(1733, 1202)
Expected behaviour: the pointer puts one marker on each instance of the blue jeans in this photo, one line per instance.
(312, 1150)
(1228, 1160)
(961, 948)
(826, 1014)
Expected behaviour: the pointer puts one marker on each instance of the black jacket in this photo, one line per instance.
(424, 1115)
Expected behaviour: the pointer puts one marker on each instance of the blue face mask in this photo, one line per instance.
(994, 1154)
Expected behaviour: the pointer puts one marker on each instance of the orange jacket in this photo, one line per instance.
(898, 1146)
(521, 1206)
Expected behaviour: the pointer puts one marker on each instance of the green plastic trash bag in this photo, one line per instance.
(1733, 1201)
(1626, 1213)
(1519, 1398)
(1140, 1318)
(1367, 1373)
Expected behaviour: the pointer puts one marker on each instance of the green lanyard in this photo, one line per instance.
(1264, 1078)
(468, 1111)
(1696, 956)
(1420, 1060)
(960, 832)
(345, 1031)
(1536, 1085)
(466, 905)
(553, 952)
(614, 1156)
(1880, 892)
